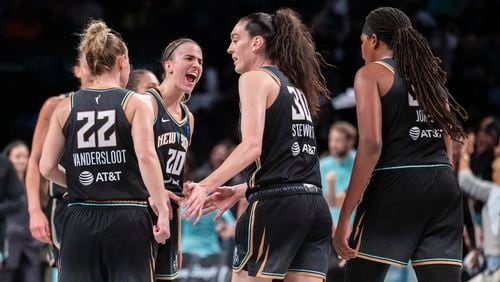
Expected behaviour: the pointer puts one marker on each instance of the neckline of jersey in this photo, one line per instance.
(158, 96)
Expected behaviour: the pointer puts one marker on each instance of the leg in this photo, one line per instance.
(362, 270)
(438, 273)
(242, 276)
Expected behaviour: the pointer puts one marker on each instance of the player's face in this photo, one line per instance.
(241, 48)
(19, 157)
(82, 71)
(338, 145)
(186, 66)
(146, 81)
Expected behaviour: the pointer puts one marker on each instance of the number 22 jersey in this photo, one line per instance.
(99, 155)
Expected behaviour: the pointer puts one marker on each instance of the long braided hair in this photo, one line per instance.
(419, 68)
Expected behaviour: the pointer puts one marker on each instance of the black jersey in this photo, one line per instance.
(99, 155)
(289, 144)
(407, 134)
(172, 141)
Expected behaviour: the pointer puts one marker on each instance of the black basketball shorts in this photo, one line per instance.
(108, 242)
(410, 213)
(285, 234)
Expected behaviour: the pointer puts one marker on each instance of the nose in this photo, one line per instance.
(230, 49)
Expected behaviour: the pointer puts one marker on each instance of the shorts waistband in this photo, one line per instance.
(283, 190)
(111, 203)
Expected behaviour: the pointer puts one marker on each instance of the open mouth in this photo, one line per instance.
(191, 77)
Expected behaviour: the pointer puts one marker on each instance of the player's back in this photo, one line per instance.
(99, 155)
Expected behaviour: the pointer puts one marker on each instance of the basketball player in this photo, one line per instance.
(41, 228)
(182, 62)
(141, 80)
(411, 205)
(104, 135)
(285, 232)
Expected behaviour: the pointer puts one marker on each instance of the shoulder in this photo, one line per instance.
(257, 76)
(50, 104)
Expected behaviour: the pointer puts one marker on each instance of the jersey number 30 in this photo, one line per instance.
(300, 110)
(101, 140)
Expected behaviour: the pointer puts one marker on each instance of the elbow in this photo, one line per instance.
(45, 170)
(371, 145)
(146, 158)
(254, 149)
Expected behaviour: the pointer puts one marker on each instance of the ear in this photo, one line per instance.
(257, 42)
(374, 40)
(77, 71)
(169, 68)
(120, 60)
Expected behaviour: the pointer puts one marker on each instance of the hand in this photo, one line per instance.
(331, 177)
(340, 241)
(39, 226)
(170, 196)
(222, 199)
(161, 231)
(196, 199)
(468, 147)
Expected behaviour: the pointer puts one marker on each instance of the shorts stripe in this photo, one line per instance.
(55, 240)
(306, 272)
(250, 239)
(167, 276)
(381, 259)
(410, 166)
(436, 261)
(108, 204)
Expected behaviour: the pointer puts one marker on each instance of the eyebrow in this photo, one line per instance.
(233, 35)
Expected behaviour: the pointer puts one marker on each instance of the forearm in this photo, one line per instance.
(33, 186)
(150, 169)
(364, 164)
(242, 156)
(330, 194)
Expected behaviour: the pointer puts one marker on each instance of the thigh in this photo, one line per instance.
(438, 273)
(127, 245)
(361, 270)
(167, 257)
(80, 255)
(278, 235)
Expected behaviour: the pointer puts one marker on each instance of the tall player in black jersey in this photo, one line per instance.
(411, 205)
(285, 232)
(104, 135)
(42, 229)
(182, 64)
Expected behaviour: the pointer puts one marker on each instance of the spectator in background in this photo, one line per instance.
(488, 192)
(10, 193)
(141, 80)
(24, 251)
(336, 168)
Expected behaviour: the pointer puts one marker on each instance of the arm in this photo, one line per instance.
(53, 145)
(10, 202)
(141, 118)
(191, 126)
(369, 114)
(475, 187)
(254, 89)
(39, 224)
(331, 197)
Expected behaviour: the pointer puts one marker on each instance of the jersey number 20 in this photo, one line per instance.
(175, 162)
(101, 140)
